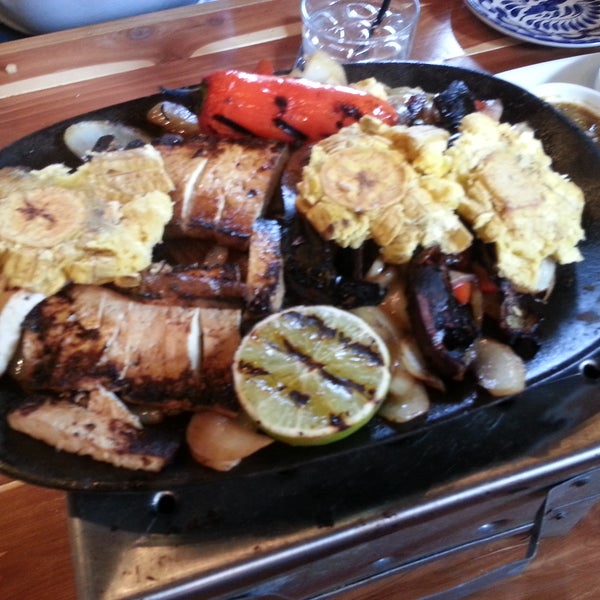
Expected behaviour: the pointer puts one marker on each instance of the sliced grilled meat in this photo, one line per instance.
(190, 285)
(220, 339)
(226, 188)
(185, 163)
(100, 427)
(171, 357)
(264, 285)
(89, 336)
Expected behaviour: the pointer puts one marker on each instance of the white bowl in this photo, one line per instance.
(578, 102)
(559, 92)
(44, 16)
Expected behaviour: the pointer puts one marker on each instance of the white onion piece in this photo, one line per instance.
(381, 273)
(15, 305)
(320, 67)
(415, 364)
(395, 303)
(406, 399)
(497, 368)
(384, 326)
(221, 442)
(401, 345)
(546, 276)
(81, 137)
(174, 118)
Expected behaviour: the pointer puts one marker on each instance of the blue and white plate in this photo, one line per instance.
(558, 23)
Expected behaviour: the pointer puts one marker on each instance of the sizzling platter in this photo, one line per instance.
(570, 332)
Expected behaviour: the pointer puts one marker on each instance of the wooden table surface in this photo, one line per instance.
(47, 78)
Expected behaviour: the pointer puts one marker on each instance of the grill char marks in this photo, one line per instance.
(169, 356)
(265, 288)
(324, 331)
(314, 328)
(221, 186)
(101, 428)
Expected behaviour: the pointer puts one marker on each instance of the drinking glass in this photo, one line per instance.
(346, 29)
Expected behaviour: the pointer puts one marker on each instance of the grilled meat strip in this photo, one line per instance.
(220, 339)
(444, 328)
(221, 186)
(265, 286)
(88, 336)
(100, 427)
(190, 285)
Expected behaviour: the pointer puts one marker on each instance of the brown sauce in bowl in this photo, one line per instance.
(582, 117)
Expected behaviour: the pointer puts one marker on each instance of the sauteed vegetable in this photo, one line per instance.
(283, 108)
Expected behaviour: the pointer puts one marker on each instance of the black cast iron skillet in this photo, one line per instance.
(571, 331)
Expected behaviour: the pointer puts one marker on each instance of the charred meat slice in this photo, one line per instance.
(170, 357)
(189, 285)
(226, 188)
(185, 163)
(220, 339)
(101, 427)
(192, 251)
(454, 103)
(444, 328)
(89, 336)
(265, 284)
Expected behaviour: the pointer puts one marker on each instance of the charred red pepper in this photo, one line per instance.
(283, 108)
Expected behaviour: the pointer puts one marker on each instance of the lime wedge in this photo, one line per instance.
(311, 375)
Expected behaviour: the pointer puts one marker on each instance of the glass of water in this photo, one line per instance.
(346, 29)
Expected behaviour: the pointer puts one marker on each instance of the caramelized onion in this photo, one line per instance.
(174, 118)
(498, 369)
(221, 442)
(320, 67)
(406, 399)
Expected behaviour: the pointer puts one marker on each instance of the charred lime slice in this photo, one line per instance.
(311, 375)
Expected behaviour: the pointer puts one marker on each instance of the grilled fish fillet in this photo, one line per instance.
(148, 353)
(265, 287)
(102, 428)
(221, 186)
(220, 339)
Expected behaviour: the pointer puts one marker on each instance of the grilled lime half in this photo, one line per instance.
(311, 375)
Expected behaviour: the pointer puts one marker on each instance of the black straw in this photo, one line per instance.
(377, 21)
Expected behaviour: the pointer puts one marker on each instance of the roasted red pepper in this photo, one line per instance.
(283, 108)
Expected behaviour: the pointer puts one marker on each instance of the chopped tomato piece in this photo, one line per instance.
(462, 290)
(484, 281)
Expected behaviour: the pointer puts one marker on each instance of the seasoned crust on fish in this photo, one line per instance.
(220, 339)
(89, 335)
(221, 186)
(265, 287)
(170, 356)
(102, 427)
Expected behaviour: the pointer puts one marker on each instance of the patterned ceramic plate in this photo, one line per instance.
(558, 23)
